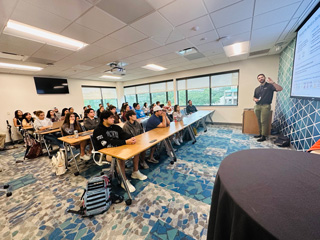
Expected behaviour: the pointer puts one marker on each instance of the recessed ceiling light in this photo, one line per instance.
(19, 67)
(22, 30)
(154, 67)
(187, 51)
(110, 77)
(237, 49)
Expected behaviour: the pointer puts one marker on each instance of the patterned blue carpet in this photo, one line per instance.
(173, 203)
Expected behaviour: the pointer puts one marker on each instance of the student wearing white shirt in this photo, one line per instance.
(42, 123)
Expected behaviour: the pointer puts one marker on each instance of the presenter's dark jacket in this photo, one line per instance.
(265, 93)
(112, 136)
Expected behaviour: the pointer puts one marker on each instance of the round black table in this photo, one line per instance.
(266, 194)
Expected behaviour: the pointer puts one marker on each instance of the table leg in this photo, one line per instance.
(203, 121)
(128, 201)
(75, 160)
(170, 150)
(192, 134)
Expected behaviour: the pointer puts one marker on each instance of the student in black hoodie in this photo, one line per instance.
(109, 135)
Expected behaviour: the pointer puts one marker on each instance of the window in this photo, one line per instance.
(211, 90)
(198, 90)
(99, 95)
(109, 95)
(130, 95)
(224, 89)
(150, 93)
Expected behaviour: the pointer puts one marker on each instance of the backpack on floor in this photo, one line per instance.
(282, 141)
(97, 197)
(34, 148)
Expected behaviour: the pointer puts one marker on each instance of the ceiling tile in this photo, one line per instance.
(236, 38)
(70, 9)
(212, 47)
(177, 46)
(276, 16)
(156, 4)
(52, 53)
(110, 43)
(143, 56)
(204, 24)
(146, 44)
(129, 50)
(204, 38)
(153, 24)
(160, 51)
(266, 37)
(136, 9)
(188, 9)
(6, 8)
(81, 33)
(236, 28)
(215, 5)
(89, 52)
(263, 6)
(100, 21)
(174, 36)
(305, 8)
(18, 45)
(289, 30)
(227, 15)
(39, 18)
(127, 35)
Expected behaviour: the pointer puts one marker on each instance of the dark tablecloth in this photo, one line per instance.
(266, 194)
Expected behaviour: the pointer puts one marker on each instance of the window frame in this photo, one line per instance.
(210, 88)
(101, 95)
(150, 93)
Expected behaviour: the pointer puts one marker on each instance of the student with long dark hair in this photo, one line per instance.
(52, 116)
(69, 126)
(63, 113)
(125, 110)
(18, 117)
(27, 120)
(71, 110)
(115, 114)
(145, 108)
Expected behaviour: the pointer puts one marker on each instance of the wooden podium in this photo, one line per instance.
(250, 122)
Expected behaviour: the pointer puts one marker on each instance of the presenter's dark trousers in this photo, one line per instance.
(263, 113)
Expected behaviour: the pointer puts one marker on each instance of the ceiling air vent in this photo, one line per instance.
(259, 52)
(12, 56)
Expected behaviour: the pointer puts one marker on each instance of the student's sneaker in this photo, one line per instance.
(152, 160)
(176, 141)
(85, 157)
(181, 140)
(262, 139)
(138, 175)
(144, 165)
(130, 186)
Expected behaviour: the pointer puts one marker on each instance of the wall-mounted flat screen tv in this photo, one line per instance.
(51, 85)
(306, 66)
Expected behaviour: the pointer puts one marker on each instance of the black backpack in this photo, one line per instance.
(282, 141)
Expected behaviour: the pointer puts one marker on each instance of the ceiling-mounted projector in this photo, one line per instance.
(117, 68)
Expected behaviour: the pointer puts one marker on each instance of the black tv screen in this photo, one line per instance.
(51, 85)
(306, 74)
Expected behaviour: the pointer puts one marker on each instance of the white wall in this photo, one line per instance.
(19, 92)
(248, 71)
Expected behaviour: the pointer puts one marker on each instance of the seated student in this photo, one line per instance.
(27, 120)
(17, 120)
(91, 122)
(139, 112)
(56, 111)
(177, 117)
(315, 148)
(89, 106)
(109, 135)
(151, 108)
(125, 110)
(145, 108)
(98, 110)
(71, 110)
(107, 107)
(84, 112)
(113, 109)
(41, 123)
(158, 103)
(63, 114)
(133, 128)
(130, 108)
(191, 108)
(69, 126)
(52, 116)
(159, 119)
